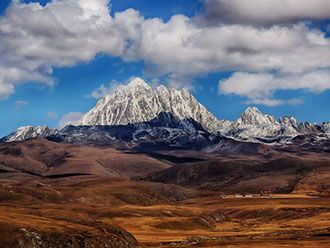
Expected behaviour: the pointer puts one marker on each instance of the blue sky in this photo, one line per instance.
(279, 63)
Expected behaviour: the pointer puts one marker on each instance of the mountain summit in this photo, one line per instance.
(253, 116)
(137, 102)
(29, 132)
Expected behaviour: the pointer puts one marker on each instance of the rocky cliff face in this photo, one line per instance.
(253, 116)
(252, 125)
(325, 127)
(138, 102)
(29, 132)
(163, 132)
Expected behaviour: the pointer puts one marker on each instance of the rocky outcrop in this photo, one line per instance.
(138, 102)
(28, 132)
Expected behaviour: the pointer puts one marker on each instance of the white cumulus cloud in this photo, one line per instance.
(36, 38)
(259, 88)
(104, 90)
(68, 119)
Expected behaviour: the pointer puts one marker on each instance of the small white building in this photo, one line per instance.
(243, 195)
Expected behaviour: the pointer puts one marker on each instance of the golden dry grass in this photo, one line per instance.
(86, 206)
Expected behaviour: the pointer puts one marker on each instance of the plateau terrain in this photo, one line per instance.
(154, 168)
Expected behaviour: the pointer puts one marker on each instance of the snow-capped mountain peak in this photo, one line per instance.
(138, 83)
(289, 121)
(138, 102)
(28, 132)
(253, 116)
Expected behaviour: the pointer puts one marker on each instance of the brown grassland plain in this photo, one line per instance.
(93, 211)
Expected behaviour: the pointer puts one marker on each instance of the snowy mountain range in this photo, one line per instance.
(168, 115)
(252, 125)
(29, 132)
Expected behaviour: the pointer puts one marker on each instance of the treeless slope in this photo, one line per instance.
(76, 211)
(69, 214)
(281, 175)
(37, 232)
(86, 211)
(43, 157)
(318, 181)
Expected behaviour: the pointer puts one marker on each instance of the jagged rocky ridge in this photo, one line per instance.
(163, 132)
(138, 102)
(137, 113)
(29, 132)
(254, 126)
